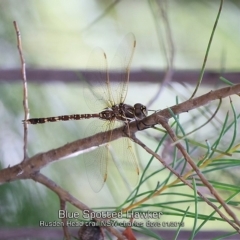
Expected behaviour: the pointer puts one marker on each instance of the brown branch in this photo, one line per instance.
(63, 206)
(25, 93)
(66, 197)
(192, 104)
(37, 162)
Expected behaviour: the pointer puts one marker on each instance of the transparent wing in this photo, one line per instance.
(96, 89)
(119, 151)
(96, 161)
(98, 95)
(96, 167)
(122, 59)
(125, 160)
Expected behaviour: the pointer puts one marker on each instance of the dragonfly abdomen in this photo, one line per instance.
(60, 118)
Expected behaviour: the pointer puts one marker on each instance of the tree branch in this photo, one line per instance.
(35, 163)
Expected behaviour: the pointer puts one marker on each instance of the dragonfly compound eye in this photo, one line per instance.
(140, 111)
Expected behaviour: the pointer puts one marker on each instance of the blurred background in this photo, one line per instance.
(61, 35)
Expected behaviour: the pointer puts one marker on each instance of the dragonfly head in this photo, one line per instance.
(140, 111)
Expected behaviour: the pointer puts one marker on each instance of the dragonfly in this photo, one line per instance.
(109, 96)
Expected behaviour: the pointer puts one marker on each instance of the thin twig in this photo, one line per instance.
(204, 124)
(63, 206)
(25, 93)
(169, 59)
(208, 49)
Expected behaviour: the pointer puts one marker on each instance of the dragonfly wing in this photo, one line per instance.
(96, 161)
(96, 167)
(125, 160)
(122, 62)
(120, 152)
(96, 88)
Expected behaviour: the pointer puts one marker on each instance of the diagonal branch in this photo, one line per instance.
(66, 197)
(192, 104)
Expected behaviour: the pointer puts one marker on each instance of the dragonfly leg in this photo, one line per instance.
(126, 129)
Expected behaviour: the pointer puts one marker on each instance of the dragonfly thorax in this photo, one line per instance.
(125, 112)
